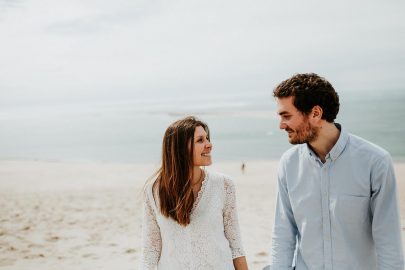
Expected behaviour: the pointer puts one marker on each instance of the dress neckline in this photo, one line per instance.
(200, 193)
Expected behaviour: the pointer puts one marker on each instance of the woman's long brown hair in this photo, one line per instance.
(173, 181)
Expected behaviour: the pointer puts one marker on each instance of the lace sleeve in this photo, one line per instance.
(231, 223)
(151, 238)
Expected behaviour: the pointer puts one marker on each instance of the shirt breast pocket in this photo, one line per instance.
(353, 209)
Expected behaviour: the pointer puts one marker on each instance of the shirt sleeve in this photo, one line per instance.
(284, 229)
(385, 216)
(151, 238)
(231, 223)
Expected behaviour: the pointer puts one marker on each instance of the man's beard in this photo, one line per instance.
(305, 133)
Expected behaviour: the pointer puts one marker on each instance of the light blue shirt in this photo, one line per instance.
(342, 214)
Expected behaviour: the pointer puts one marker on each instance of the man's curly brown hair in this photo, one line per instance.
(309, 90)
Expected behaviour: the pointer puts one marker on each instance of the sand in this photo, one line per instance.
(87, 215)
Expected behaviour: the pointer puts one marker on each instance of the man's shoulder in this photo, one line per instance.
(293, 153)
(366, 148)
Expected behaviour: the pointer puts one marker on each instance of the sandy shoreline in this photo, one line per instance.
(87, 215)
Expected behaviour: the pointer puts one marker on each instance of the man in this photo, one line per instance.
(337, 203)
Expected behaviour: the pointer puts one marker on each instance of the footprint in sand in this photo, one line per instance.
(34, 256)
(26, 228)
(53, 238)
(262, 253)
(33, 245)
(7, 262)
(11, 248)
(90, 255)
(130, 251)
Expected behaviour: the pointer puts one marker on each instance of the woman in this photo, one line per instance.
(190, 220)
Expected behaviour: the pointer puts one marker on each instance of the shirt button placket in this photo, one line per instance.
(327, 245)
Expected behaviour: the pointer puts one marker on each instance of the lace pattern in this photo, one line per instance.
(212, 239)
(199, 194)
(231, 224)
(151, 238)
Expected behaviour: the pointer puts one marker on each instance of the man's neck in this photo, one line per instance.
(327, 138)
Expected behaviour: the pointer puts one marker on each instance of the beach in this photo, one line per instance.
(87, 215)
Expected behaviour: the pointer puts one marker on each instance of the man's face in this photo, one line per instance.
(296, 124)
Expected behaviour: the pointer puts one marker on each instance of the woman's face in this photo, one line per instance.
(202, 148)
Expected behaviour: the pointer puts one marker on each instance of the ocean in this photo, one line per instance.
(243, 127)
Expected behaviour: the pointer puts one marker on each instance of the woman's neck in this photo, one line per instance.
(197, 175)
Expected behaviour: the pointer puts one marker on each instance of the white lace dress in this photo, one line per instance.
(211, 240)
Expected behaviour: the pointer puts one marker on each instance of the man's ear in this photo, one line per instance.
(316, 113)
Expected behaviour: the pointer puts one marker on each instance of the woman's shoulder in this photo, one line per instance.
(150, 192)
(148, 187)
(219, 177)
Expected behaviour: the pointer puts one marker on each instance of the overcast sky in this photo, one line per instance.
(63, 51)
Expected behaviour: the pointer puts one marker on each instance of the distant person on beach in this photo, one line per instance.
(243, 167)
(190, 220)
(337, 200)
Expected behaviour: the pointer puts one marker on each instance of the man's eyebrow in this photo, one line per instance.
(283, 113)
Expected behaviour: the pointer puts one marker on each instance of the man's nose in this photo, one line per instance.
(282, 124)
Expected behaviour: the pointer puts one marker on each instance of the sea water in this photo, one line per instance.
(243, 127)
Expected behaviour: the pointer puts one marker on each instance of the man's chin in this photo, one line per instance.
(295, 141)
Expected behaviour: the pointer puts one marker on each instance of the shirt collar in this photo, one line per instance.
(337, 149)
(341, 143)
